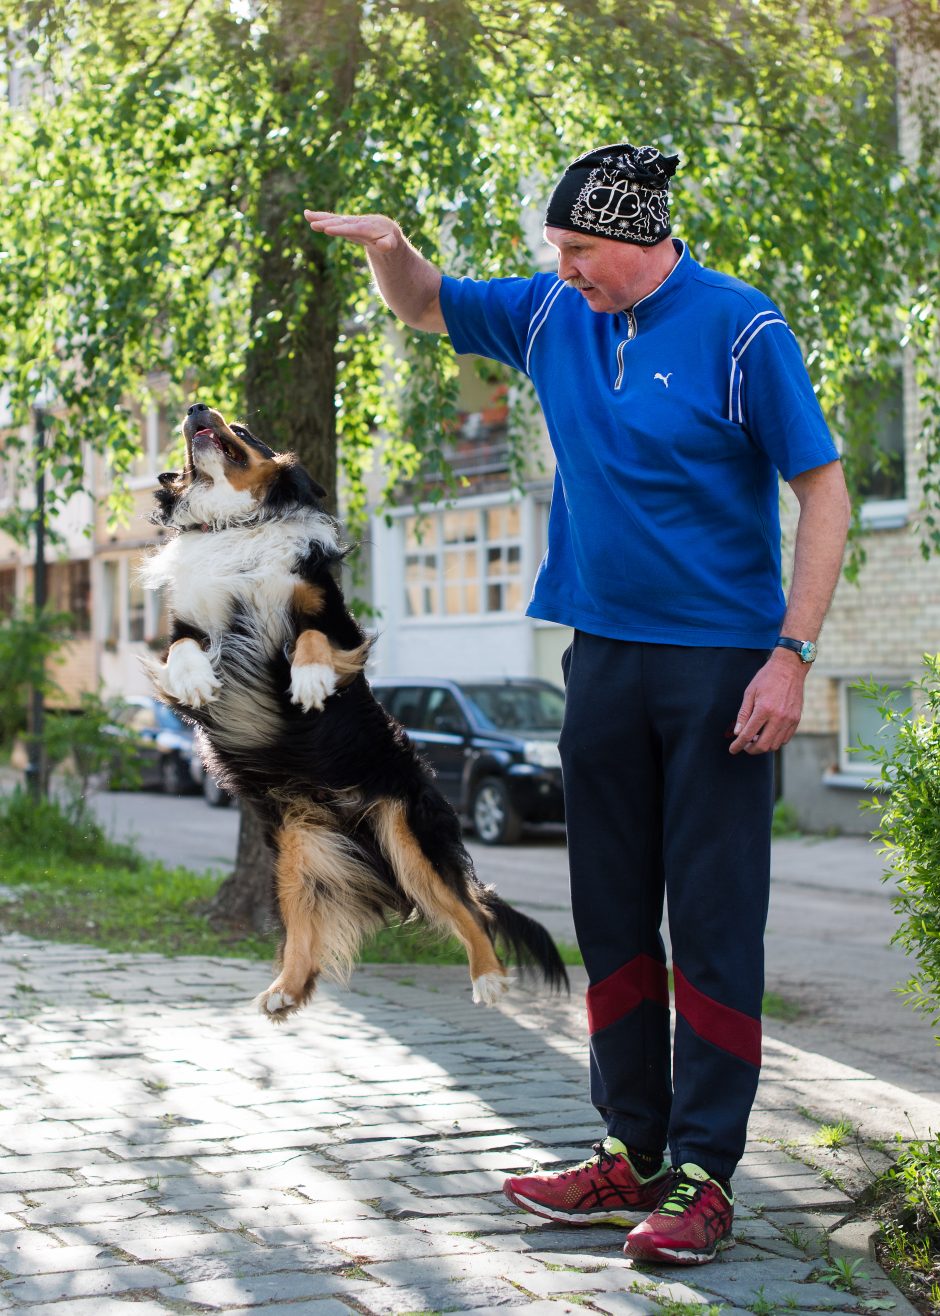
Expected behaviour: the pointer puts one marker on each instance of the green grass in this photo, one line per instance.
(778, 1007)
(785, 821)
(71, 882)
(833, 1135)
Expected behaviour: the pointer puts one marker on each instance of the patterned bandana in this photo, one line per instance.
(619, 192)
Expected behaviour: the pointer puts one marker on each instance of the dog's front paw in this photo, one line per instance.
(189, 676)
(311, 685)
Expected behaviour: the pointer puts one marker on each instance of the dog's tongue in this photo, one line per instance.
(199, 433)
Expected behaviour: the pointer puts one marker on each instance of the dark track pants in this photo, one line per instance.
(656, 805)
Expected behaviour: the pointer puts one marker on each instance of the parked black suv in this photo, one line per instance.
(493, 744)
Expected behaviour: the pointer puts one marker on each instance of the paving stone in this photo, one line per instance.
(529, 1307)
(150, 1226)
(321, 1307)
(456, 1185)
(405, 1243)
(83, 1283)
(99, 1306)
(438, 1295)
(34, 1181)
(628, 1304)
(255, 1260)
(550, 1282)
(264, 1288)
(176, 1247)
(34, 1253)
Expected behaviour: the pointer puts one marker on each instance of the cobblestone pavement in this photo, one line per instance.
(165, 1149)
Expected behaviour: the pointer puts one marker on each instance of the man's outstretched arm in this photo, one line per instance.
(409, 284)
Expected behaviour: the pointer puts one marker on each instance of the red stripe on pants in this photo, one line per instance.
(737, 1033)
(640, 979)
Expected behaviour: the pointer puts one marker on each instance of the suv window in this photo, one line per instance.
(442, 713)
(405, 703)
(517, 707)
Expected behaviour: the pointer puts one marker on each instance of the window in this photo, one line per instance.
(503, 559)
(136, 607)
(68, 589)
(442, 713)
(862, 724)
(7, 591)
(111, 613)
(875, 412)
(405, 704)
(464, 562)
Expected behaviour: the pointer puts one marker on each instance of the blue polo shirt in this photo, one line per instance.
(669, 423)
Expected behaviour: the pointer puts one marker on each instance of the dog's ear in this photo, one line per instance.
(293, 487)
(166, 501)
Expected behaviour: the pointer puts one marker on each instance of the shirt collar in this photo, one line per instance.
(653, 304)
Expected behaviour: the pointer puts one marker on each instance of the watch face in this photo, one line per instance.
(808, 651)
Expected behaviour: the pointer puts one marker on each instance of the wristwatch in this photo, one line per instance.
(805, 648)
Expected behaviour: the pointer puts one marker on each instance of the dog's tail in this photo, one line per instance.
(523, 941)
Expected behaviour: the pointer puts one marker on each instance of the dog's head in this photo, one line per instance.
(231, 478)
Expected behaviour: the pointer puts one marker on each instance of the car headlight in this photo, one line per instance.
(542, 753)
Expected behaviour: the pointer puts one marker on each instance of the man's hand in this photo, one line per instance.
(375, 232)
(772, 705)
(410, 285)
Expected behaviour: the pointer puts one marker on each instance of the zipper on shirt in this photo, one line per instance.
(631, 334)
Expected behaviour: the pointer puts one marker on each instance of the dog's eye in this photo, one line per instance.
(237, 429)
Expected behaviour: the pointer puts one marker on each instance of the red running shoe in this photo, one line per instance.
(691, 1223)
(604, 1188)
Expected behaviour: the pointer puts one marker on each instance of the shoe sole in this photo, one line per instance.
(681, 1256)
(628, 1219)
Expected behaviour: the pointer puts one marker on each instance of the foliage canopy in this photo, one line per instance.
(158, 169)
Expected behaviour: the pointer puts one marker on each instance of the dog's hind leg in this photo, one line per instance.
(330, 898)
(301, 957)
(438, 902)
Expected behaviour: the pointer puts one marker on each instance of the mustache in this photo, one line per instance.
(577, 282)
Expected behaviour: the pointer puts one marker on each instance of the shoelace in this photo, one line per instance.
(601, 1155)
(681, 1195)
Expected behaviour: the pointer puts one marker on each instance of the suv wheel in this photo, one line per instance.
(174, 775)
(495, 819)
(214, 795)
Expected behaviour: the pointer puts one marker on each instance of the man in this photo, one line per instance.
(673, 396)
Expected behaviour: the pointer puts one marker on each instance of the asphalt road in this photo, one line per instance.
(828, 936)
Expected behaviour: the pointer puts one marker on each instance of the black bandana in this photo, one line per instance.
(619, 192)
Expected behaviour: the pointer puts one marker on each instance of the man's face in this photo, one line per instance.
(607, 273)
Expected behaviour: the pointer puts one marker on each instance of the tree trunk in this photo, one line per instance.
(244, 898)
(290, 371)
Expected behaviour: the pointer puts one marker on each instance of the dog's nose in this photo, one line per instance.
(196, 408)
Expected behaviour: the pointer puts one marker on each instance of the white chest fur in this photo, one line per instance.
(208, 574)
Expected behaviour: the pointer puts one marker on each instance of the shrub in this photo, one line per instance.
(910, 827)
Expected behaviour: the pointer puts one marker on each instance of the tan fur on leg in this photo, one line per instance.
(437, 902)
(301, 957)
(329, 900)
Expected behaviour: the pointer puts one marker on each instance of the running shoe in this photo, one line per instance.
(604, 1188)
(691, 1223)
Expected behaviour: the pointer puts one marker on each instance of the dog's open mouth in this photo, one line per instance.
(230, 451)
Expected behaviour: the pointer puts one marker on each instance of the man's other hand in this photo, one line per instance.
(772, 705)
